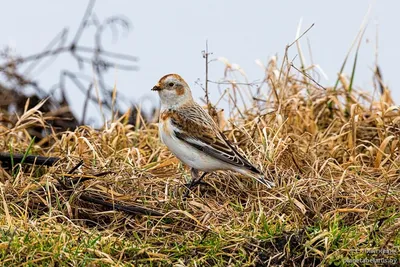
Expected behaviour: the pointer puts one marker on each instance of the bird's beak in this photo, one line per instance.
(156, 88)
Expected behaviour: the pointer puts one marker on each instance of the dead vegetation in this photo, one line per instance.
(114, 196)
(334, 154)
(20, 89)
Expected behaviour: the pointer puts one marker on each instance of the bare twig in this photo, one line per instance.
(205, 56)
(307, 75)
(99, 59)
(30, 159)
(132, 210)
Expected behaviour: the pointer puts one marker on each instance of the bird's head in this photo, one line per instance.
(173, 91)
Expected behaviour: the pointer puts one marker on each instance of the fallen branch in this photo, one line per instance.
(30, 159)
(132, 210)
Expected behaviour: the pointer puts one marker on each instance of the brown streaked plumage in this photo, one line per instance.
(190, 118)
(191, 134)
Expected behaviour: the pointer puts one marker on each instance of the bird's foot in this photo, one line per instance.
(194, 182)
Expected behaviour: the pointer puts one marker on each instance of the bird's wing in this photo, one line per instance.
(193, 125)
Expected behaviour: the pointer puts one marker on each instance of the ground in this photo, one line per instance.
(115, 197)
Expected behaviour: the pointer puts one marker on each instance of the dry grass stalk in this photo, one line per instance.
(337, 172)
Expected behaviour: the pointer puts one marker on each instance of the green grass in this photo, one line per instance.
(336, 199)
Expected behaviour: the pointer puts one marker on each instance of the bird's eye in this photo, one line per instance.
(171, 84)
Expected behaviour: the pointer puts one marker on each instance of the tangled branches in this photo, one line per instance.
(15, 72)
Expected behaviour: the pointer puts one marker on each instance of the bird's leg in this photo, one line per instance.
(196, 180)
(201, 178)
(195, 175)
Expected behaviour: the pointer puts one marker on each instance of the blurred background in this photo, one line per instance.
(71, 48)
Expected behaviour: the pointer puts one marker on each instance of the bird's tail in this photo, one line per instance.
(261, 179)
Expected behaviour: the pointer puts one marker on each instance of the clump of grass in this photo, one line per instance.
(333, 153)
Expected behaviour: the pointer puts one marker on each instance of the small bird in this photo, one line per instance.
(193, 137)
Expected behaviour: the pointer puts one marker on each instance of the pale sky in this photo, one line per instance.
(168, 37)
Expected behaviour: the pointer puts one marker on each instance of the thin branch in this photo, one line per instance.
(205, 56)
(30, 159)
(298, 38)
(84, 22)
(99, 60)
(85, 105)
(307, 75)
(132, 210)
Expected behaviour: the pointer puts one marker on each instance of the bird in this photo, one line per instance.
(194, 138)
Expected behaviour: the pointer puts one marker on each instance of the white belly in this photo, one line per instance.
(188, 154)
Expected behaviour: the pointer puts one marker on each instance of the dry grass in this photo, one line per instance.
(333, 153)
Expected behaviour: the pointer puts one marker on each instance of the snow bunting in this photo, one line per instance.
(193, 137)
